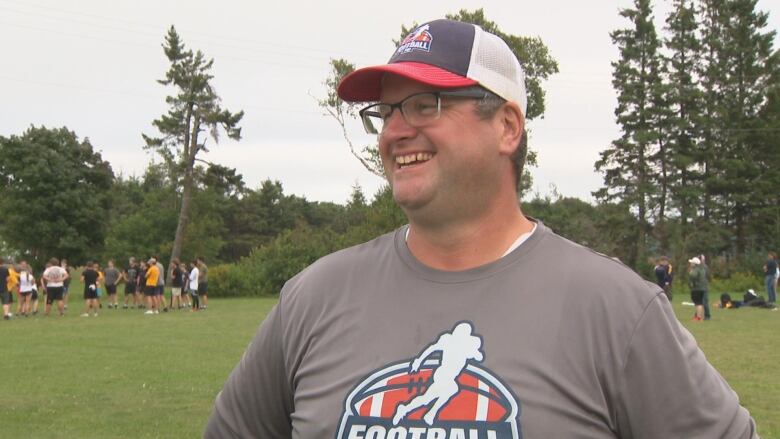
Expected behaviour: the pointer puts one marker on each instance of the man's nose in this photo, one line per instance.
(396, 126)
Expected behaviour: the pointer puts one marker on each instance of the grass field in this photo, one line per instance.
(128, 375)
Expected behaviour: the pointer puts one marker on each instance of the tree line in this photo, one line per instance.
(698, 160)
(694, 171)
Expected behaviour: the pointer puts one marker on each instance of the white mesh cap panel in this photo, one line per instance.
(496, 68)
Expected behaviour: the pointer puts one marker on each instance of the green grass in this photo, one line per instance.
(744, 346)
(125, 374)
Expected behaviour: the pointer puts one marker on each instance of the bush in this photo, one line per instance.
(737, 284)
(229, 280)
(267, 268)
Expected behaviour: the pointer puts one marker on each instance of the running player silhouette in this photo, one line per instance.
(457, 348)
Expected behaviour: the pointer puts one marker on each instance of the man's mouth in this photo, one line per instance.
(411, 159)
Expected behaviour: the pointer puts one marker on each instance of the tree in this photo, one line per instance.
(194, 108)
(629, 171)
(751, 60)
(531, 52)
(681, 171)
(54, 195)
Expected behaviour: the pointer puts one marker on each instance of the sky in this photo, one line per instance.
(93, 67)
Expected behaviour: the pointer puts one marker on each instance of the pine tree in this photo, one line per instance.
(629, 171)
(193, 109)
(681, 170)
(736, 78)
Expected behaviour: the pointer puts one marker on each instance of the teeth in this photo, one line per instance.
(415, 157)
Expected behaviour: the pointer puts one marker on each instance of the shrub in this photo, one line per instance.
(737, 284)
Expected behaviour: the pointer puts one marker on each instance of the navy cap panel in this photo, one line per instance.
(443, 43)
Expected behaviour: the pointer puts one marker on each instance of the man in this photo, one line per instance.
(203, 281)
(150, 289)
(192, 285)
(130, 275)
(697, 281)
(708, 275)
(55, 277)
(160, 291)
(176, 285)
(112, 276)
(560, 341)
(770, 269)
(66, 283)
(663, 276)
(91, 280)
(5, 294)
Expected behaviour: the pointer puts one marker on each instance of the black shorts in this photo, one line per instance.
(111, 289)
(34, 295)
(159, 290)
(130, 288)
(90, 294)
(53, 293)
(697, 297)
(150, 290)
(5, 297)
(203, 288)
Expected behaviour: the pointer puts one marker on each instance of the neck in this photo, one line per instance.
(460, 244)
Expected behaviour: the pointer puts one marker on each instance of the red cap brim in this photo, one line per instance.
(365, 85)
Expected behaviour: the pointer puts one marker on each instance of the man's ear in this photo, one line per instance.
(512, 124)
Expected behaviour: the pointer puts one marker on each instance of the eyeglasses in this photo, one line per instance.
(417, 110)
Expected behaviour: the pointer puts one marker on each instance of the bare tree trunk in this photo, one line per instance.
(187, 187)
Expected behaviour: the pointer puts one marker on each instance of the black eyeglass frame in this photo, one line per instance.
(366, 112)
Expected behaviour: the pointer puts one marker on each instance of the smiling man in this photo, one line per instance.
(550, 339)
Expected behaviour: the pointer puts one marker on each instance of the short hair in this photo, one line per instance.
(54, 261)
(773, 255)
(201, 259)
(487, 108)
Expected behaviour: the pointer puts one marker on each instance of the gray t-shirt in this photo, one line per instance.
(551, 341)
(111, 276)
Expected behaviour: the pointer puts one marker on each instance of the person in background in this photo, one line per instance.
(160, 292)
(12, 285)
(112, 277)
(706, 298)
(55, 277)
(194, 286)
(26, 288)
(90, 277)
(185, 276)
(203, 282)
(5, 295)
(150, 290)
(176, 285)
(130, 276)
(142, 268)
(697, 281)
(663, 276)
(42, 287)
(66, 283)
(770, 279)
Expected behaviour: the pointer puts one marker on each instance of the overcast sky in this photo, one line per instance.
(92, 66)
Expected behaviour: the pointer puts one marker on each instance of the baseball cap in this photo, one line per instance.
(694, 260)
(445, 54)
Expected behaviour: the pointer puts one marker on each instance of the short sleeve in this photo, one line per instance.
(669, 389)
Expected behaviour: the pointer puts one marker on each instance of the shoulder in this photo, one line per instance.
(331, 273)
(589, 275)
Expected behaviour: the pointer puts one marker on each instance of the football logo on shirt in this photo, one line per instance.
(442, 393)
(419, 39)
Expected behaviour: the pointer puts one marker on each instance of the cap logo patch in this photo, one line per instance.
(419, 39)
